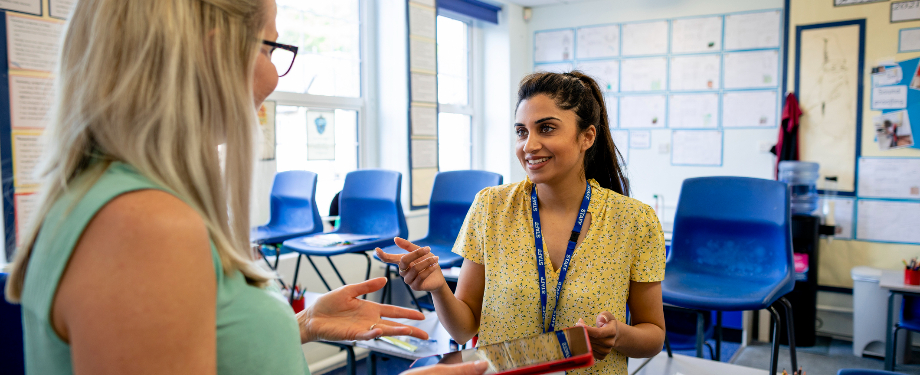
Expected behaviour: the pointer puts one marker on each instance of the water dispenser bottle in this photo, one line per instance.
(802, 178)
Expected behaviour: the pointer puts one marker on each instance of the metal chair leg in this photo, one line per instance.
(667, 345)
(718, 356)
(774, 352)
(414, 300)
(320, 274)
(790, 331)
(350, 366)
(367, 275)
(700, 332)
(296, 273)
(372, 363)
(336, 270)
(383, 292)
(894, 347)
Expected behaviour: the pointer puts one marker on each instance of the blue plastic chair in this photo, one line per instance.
(293, 213)
(852, 371)
(452, 195)
(369, 204)
(12, 354)
(732, 251)
(909, 320)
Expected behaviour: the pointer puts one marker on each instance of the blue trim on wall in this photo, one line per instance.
(6, 143)
(859, 87)
(472, 8)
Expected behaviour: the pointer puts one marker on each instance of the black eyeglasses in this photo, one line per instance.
(283, 56)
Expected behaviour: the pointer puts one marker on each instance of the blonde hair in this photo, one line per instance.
(158, 84)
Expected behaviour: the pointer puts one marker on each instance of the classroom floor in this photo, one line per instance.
(825, 358)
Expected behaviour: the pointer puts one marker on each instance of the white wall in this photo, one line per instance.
(650, 171)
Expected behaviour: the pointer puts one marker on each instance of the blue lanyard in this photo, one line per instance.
(564, 344)
(538, 242)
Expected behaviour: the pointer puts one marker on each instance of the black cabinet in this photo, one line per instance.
(804, 297)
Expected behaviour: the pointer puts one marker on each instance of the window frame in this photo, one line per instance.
(471, 108)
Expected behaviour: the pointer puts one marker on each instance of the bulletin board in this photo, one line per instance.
(423, 99)
(28, 52)
(693, 76)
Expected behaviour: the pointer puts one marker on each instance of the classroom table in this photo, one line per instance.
(894, 282)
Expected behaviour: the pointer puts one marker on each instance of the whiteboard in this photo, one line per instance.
(598, 42)
(605, 72)
(756, 69)
(696, 73)
(743, 109)
(613, 106)
(695, 35)
(753, 30)
(645, 111)
(696, 147)
(646, 38)
(553, 68)
(552, 46)
(697, 111)
(647, 74)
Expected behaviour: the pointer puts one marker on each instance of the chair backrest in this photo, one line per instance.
(735, 227)
(370, 203)
(293, 203)
(451, 197)
(12, 356)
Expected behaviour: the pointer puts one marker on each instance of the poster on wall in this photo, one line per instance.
(320, 135)
(838, 3)
(892, 130)
(267, 126)
(32, 44)
(33, 7)
(551, 46)
(903, 11)
(61, 9)
(30, 101)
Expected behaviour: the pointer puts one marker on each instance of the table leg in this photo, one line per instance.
(294, 283)
(350, 366)
(889, 341)
(371, 363)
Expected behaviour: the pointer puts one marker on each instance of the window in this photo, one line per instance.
(319, 103)
(455, 117)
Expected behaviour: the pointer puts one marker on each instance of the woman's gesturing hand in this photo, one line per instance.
(340, 315)
(604, 336)
(419, 268)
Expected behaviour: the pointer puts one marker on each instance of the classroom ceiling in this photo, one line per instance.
(537, 3)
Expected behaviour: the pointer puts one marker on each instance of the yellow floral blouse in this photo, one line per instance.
(624, 243)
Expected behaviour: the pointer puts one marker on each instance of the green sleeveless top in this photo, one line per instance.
(256, 329)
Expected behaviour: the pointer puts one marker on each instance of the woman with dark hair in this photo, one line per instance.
(526, 270)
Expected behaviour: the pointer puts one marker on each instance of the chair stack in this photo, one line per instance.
(732, 251)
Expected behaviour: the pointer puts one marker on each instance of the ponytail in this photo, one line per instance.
(579, 93)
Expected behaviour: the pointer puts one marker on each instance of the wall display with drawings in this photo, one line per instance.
(895, 128)
(643, 111)
(605, 72)
(696, 35)
(598, 42)
(645, 38)
(753, 30)
(423, 55)
(621, 141)
(32, 7)
(266, 115)
(30, 101)
(552, 46)
(644, 74)
(756, 69)
(640, 139)
(838, 3)
(749, 109)
(32, 43)
(693, 111)
(553, 68)
(887, 221)
(613, 107)
(424, 120)
(897, 178)
(61, 9)
(422, 21)
(828, 70)
(424, 87)
(842, 209)
(903, 11)
(26, 204)
(696, 147)
(909, 40)
(695, 73)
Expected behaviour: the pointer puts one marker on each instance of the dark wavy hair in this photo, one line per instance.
(577, 92)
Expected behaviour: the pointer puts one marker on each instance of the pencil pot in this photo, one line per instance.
(911, 277)
(297, 305)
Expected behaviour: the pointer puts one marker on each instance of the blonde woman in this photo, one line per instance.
(139, 262)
